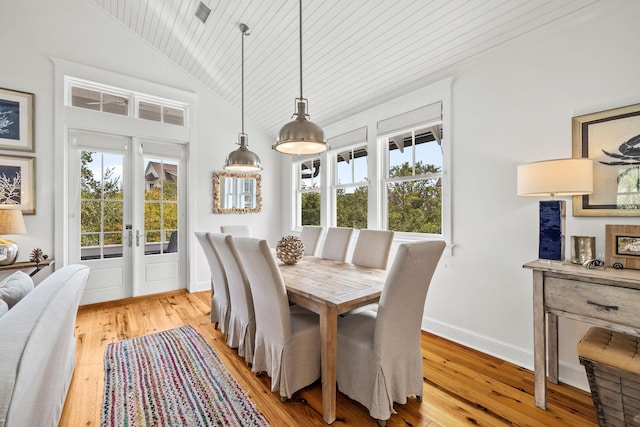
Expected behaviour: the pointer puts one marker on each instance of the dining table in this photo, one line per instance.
(330, 288)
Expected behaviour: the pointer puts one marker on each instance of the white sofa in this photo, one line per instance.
(37, 350)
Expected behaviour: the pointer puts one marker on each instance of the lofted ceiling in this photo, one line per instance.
(356, 53)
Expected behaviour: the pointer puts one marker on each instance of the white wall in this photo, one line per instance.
(34, 31)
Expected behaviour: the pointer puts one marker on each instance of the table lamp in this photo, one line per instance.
(560, 177)
(11, 222)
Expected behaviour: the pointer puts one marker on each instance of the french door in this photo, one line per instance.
(126, 210)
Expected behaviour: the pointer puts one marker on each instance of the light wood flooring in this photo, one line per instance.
(461, 386)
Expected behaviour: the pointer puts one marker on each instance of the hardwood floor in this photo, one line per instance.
(461, 386)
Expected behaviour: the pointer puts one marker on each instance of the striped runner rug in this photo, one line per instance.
(172, 378)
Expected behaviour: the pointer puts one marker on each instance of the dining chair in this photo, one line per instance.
(287, 338)
(236, 230)
(379, 357)
(336, 243)
(220, 305)
(372, 248)
(242, 322)
(310, 236)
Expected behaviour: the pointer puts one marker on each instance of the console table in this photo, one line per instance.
(28, 264)
(609, 298)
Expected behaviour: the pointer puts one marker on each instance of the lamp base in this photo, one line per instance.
(552, 225)
(8, 251)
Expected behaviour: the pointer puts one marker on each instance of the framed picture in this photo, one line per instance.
(18, 183)
(622, 247)
(612, 140)
(16, 120)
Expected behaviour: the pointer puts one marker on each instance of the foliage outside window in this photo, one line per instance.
(351, 188)
(413, 184)
(308, 192)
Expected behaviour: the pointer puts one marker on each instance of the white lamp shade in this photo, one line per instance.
(561, 177)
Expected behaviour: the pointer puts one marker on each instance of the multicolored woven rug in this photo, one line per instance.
(172, 378)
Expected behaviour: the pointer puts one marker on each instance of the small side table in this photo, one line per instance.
(28, 264)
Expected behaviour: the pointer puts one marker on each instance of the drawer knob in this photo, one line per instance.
(602, 306)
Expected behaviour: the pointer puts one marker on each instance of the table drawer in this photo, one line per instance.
(609, 303)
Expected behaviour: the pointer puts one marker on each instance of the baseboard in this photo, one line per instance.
(200, 286)
(570, 373)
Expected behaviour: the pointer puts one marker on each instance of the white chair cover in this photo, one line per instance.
(220, 306)
(287, 339)
(379, 358)
(236, 230)
(310, 236)
(372, 248)
(242, 322)
(336, 243)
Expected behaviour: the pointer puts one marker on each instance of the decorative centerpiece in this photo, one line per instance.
(290, 249)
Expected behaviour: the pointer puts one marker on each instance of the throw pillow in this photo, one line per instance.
(15, 287)
(4, 308)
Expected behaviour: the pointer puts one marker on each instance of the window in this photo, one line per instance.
(308, 192)
(98, 97)
(413, 181)
(160, 206)
(351, 187)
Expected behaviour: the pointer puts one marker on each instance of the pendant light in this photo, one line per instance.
(243, 159)
(301, 136)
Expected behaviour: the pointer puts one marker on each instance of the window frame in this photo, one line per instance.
(333, 155)
(299, 191)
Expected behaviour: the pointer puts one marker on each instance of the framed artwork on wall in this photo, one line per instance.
(622, 247)
(612, 140)
(16, 120)
(18, 183)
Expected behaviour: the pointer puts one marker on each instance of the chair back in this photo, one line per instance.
(236, 230)
(218, 278)
(310, 236)
(372, 248)
(273, 318)
(336, 243)
(239, 291)
(401, 306)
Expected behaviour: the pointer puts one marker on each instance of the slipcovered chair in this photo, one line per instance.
(310, 236)
(336, 243)
(287, 338)
(220, 306)
(372, 248)
(242, 321)
(236, 230)
(379, 356)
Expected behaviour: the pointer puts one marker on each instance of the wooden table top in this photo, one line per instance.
(343, 285)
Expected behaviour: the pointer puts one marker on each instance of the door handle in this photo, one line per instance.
(130, 238)
(138, 236)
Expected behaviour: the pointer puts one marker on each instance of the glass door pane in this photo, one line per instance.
(101, 205)
(160, 206)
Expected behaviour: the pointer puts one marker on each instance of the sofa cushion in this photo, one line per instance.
(15, 287)
(4, 308)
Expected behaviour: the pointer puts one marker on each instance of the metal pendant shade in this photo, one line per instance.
(243, 159)
(301, 136)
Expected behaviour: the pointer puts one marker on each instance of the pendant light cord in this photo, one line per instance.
(301, 98)
(242, 78)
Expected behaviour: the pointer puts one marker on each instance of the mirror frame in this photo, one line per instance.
(216, 192)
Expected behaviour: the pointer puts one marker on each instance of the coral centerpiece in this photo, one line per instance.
(290, 249)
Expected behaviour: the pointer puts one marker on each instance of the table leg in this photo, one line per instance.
(329, 339)
(539, 341)
(552, 346)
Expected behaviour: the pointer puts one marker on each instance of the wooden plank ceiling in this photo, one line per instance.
(356, 53)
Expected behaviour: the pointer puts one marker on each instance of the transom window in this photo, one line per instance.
(106, 99)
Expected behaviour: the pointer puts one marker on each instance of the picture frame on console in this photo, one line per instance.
(622, 246)
(17, 183)
(611, 139)
(17, 128)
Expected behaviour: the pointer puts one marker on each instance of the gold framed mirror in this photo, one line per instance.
(236, 192)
